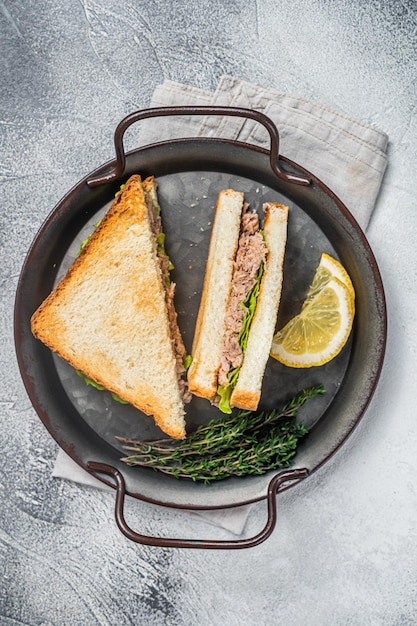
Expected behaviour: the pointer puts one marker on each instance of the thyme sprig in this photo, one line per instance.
(247, 443)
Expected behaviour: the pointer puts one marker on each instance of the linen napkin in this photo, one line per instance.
(349, 156)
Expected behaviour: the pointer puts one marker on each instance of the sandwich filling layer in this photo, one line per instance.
(169, 287)
(247, 273)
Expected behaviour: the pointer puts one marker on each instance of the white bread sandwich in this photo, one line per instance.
(239, 303)
(112, 316)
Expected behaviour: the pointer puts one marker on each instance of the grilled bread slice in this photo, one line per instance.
(210, 326)
(108, 316)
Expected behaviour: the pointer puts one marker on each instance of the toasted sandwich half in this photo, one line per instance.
(112, 316)
(239, 303)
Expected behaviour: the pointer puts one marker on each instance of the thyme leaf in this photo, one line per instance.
(239, 445)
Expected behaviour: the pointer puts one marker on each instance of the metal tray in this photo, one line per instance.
(190, 173)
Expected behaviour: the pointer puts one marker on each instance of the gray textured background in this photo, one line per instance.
(345, 547)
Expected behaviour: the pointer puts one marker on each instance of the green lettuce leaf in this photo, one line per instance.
(88, 381)
(86, 240)
(225, 391)
(160, 243)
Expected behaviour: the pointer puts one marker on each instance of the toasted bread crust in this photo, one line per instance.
(106, 313)
(242, 399)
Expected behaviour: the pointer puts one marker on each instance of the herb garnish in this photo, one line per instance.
(248, 443)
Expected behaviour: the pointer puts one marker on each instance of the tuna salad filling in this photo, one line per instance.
(246, 278)
(166, 265)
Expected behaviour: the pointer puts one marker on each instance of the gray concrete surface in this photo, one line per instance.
(344, 550)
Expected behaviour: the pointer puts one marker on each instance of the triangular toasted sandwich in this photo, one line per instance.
(239, 303)
(112, 315)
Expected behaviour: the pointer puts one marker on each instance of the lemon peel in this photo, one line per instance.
(319, 332)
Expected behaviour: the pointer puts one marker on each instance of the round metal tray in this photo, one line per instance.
(190, 173)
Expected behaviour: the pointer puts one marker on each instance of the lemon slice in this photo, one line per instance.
(319, 332)
(327, 269)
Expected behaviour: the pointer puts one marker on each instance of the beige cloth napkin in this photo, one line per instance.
(350, 157)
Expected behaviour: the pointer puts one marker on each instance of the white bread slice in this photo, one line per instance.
(210, 326)
(108, 316)
(247, 393)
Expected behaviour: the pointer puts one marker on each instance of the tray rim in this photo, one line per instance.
(69, 449)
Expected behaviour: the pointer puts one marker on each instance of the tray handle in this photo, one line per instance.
(197, 110)
(163, 542)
